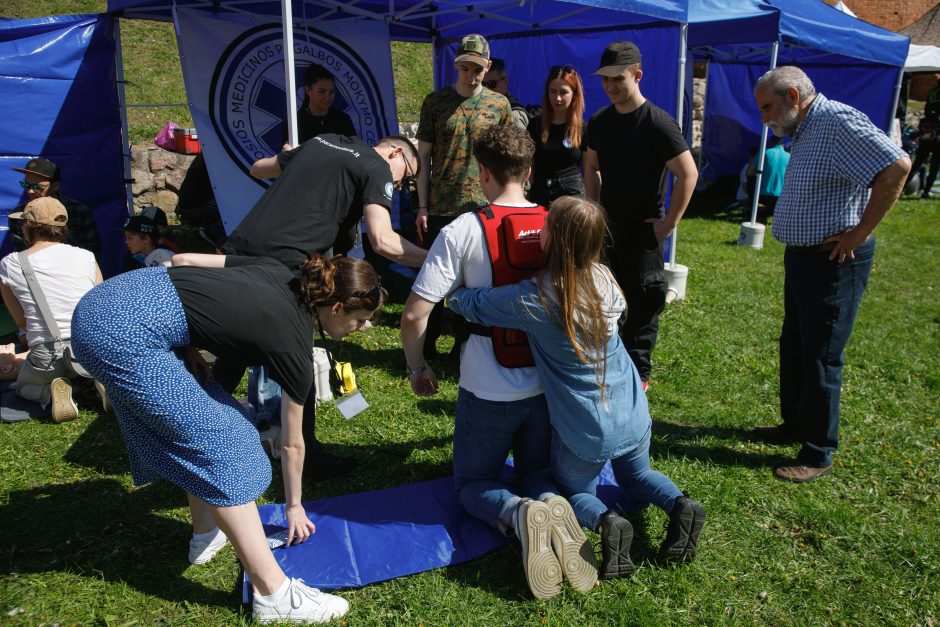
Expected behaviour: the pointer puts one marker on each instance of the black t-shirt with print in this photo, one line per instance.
(249, 312)
(556, 158)
(632, 150)
(315, 203)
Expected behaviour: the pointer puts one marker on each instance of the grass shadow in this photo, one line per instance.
(96, 528)
(685, 441)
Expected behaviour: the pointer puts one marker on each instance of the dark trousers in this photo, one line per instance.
(229, 374)
(926, 149)
(637, 262)
(821, 299)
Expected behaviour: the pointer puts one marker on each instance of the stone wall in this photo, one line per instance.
(157, 175)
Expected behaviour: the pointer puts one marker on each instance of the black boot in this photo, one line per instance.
(685, 523)
(616, 536)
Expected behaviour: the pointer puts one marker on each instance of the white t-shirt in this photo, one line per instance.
(459, 258)
(64, 273)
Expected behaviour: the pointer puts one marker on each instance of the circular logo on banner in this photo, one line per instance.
(247, 98)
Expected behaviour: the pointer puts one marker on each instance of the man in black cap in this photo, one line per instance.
(41, 180)
(630, 146)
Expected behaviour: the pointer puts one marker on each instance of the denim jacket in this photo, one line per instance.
(594, 429)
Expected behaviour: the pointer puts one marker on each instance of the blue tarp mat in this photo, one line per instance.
(374, 536)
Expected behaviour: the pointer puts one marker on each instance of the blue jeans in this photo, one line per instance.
(821, 299)
(577, 480)
(484, 433)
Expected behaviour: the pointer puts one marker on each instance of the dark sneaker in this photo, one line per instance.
(685, 523)
(63, 405)
(533, 526)
(323, 466)
(616, 537)
(572, 548)
(797, 473)
(773, 435)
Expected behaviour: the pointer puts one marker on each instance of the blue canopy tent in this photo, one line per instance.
(534, 35)
(60, 101)
(848, 59)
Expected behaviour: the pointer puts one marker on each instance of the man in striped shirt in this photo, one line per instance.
(844, 175)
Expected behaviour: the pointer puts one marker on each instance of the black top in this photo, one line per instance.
(632, 150)
(316, 202)
(196, 188)
(556, 158)
(309, 125)
(249, 312)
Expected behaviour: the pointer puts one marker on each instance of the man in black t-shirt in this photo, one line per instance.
(630, 147)
(322, 189)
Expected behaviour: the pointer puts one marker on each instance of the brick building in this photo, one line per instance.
(890, 14)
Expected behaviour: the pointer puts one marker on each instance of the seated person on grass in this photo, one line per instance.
(64, 274)
(498, 409)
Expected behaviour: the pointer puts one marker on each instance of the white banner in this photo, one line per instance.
(233, 68)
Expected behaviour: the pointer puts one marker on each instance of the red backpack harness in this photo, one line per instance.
(512, 240)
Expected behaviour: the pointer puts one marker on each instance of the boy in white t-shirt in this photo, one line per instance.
(498, 409)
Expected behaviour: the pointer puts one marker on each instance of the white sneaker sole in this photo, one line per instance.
(574, 550)
(542, 570)
(63, 407)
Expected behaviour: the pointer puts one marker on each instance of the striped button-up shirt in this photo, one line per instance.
(836, 154)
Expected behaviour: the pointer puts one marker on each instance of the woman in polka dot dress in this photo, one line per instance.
(138, 334)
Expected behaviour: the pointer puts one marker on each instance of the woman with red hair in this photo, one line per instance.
(556, 166)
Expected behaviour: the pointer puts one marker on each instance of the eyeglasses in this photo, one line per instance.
(493, 83)
(36, 187)
(563, 69)
(409, 180)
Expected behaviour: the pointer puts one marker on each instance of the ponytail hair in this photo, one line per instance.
(352, 282)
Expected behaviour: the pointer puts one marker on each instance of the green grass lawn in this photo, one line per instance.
(82, 546)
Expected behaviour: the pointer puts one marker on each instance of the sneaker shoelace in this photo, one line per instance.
(298, 592)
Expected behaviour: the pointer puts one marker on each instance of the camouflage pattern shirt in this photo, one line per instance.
(451, 123)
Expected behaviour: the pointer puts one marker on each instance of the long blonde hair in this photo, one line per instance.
(577, 228)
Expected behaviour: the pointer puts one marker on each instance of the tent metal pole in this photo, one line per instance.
(763, 146)
(122, 105)
(290, 84)
(680, 100)
(894, 105)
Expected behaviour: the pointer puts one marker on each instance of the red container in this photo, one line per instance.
(187, 141)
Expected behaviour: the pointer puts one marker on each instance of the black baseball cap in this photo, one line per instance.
(41, 167)
(148, 221)
(617, 57)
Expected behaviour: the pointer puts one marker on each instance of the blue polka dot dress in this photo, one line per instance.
(124, 332)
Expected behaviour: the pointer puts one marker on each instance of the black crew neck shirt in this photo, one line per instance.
(249, 312)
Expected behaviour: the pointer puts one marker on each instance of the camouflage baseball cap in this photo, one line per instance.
(473, 49)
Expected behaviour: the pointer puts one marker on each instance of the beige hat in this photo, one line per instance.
(43, 210)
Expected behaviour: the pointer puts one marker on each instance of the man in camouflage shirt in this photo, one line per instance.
(451, 119)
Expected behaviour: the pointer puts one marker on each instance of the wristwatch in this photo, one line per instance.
(413, 371)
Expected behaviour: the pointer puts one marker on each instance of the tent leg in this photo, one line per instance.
(752, 234)
(290, 83)
(122, 104)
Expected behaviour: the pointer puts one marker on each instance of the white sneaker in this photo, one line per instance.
(201, 552)
(300, 604)
(63, 406)
(533, 527)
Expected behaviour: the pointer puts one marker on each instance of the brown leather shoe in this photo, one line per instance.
(798, 473)
(773, 435)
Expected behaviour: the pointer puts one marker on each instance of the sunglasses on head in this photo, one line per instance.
(372, 294)
(564, 69)
(36, 187)
(492, 83)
